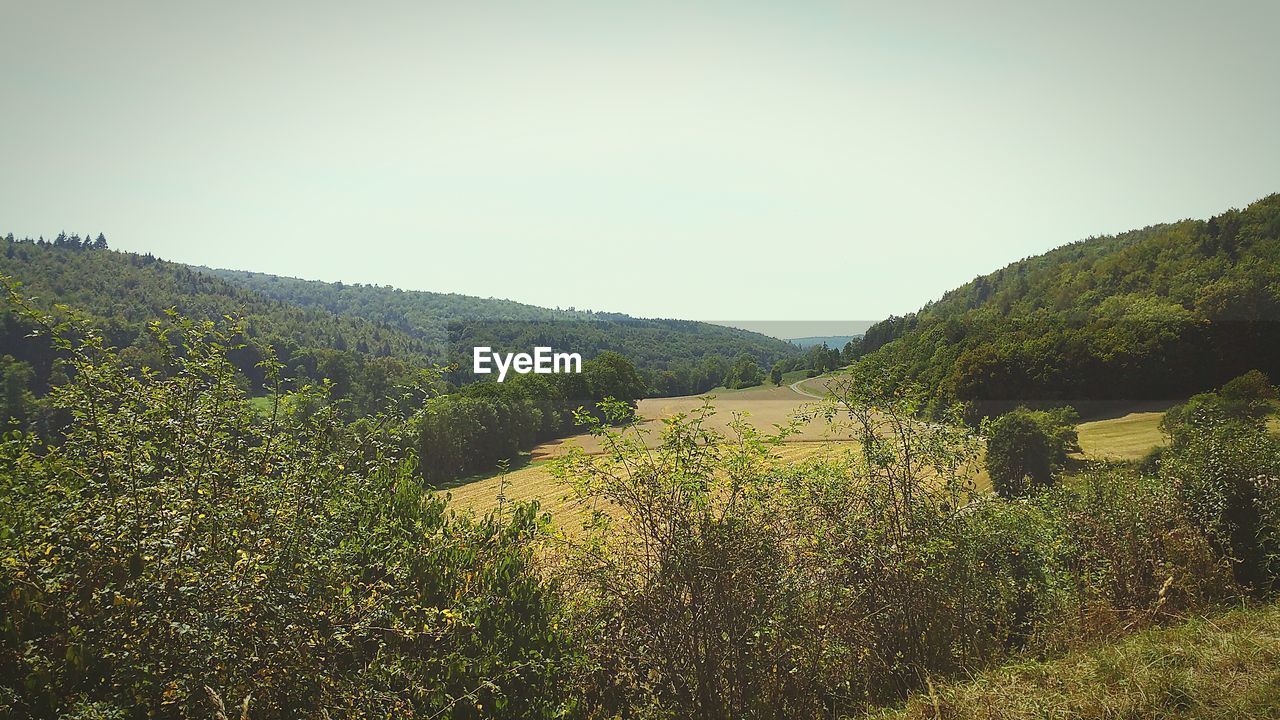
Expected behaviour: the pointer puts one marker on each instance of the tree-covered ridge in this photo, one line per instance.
(121, 293)
(670, 350)
(419, 312)
(331, 330)
(1160, 312)
(124, 291)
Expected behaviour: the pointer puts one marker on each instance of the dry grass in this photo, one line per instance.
(535, 482)
(764, 407)
(1223, 667)
(1128, 437)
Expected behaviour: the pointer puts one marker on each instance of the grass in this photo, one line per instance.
(262, 404)
(1222, 667)
(1128, 437)
(1125, 437)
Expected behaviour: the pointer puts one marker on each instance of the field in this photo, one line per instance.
(763, 406)
(1126, 436)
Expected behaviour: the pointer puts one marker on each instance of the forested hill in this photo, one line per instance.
(676, 353)
(357, 336)
(425, 314)
(1156, 313)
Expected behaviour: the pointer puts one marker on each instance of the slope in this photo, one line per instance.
(1152, 314)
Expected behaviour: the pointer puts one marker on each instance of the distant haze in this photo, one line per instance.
(778, 161)
(797, 329)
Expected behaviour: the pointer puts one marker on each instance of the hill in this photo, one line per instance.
(122, 293)
(337, 331)
(679, 356)
(1152, 314)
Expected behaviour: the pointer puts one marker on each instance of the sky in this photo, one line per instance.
(785, 161)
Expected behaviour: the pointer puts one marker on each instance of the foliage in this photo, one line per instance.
(363, 339)
(1249, 396)
(176, 540)
(1157, 313)
(472, 430)
(745, 372)
(817, 359)
(714, 581)
(1024, 447)
(1227, 467)
(672, 354)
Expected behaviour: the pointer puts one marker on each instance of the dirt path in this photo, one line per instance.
(795, 386)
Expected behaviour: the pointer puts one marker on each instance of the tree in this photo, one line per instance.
(1019, 454)
(1251, 395)
(775, 375)
(15, 379)
(744, 372)
(609, 374)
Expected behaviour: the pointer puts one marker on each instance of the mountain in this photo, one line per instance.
(1156, 313)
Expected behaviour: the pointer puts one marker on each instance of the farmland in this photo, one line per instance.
(1125, 436)
(764, 407)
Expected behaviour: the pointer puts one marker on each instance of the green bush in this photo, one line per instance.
(1019, 454)
(178, 541)
(725, 583)
(1227, 473)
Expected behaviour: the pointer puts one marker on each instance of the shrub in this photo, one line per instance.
(1019, 456)
(176, 540)
(1228, 474)
(1131, 553)
(724, 583)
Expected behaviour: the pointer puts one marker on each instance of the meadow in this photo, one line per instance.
(1125, 436)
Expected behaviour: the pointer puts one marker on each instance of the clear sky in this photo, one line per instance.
(708, 160)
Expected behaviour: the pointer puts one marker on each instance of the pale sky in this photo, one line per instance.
(765, 161)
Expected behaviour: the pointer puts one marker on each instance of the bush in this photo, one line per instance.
(1019, 455)
(1226, 466)
(1132, 554)
(1228, 473)
(726, 583)
(178, 541)
(1024, 447)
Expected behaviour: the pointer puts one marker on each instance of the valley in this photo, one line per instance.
(1125, 436)
(291, 458)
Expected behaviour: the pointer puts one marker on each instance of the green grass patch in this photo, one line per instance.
(263, 405)
(1221, 667)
